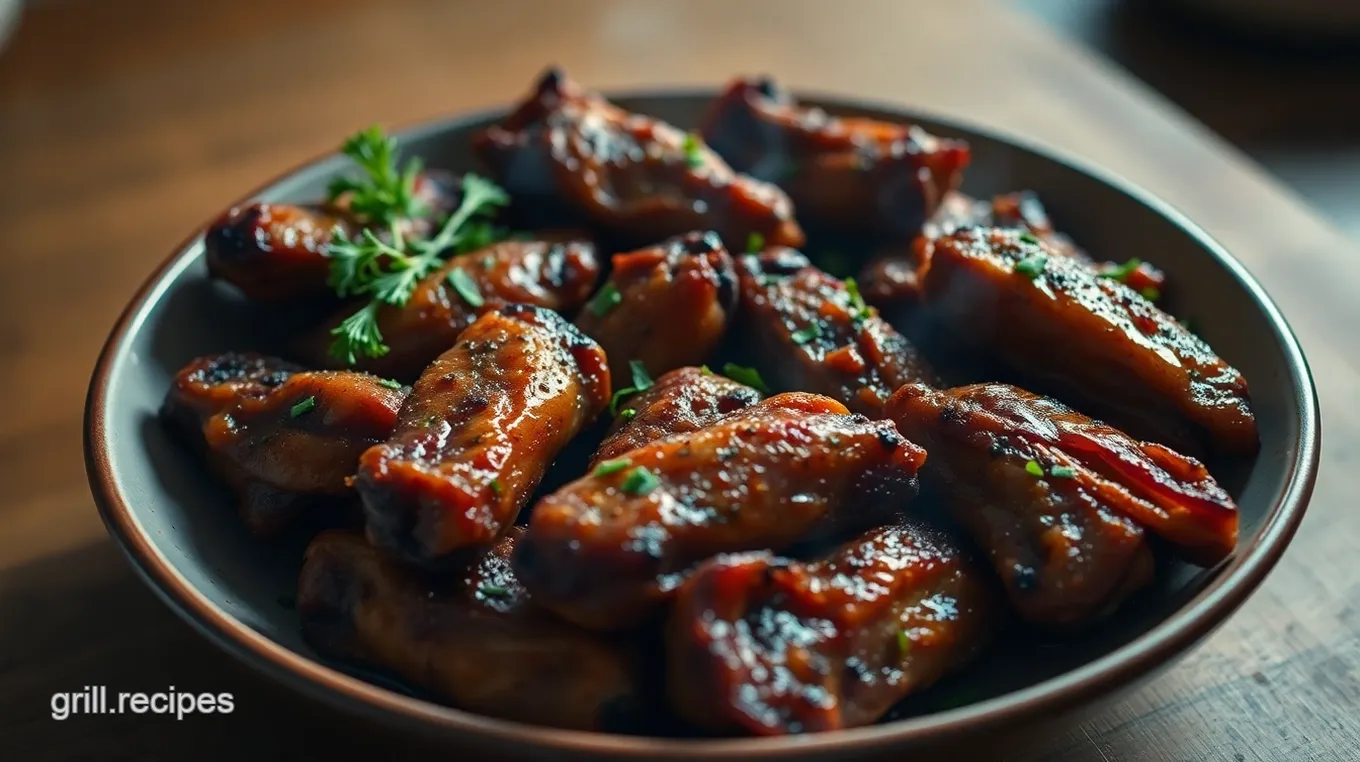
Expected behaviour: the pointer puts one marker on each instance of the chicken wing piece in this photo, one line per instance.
(1071, 332)
(554, 270)
(478, 431)
(892, 278)
(682, 401)
(210, 384)
(607, 550)
(473, 639)
(277, 252)
(634, 176)
(772, 646)
(843, 173)
(810, 331)
(664, 306)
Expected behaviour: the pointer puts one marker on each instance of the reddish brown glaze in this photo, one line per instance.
(606, 555)
(556, 271)
(474, 638)
(277, 252)
(674, 301)
(210, 384)
(805, 333)
(682, 401)
(1083, 336)
(481, 426)
(636, 177)
(845, 173)
(771, 646)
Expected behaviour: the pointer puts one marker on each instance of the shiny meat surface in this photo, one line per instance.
(554, 271)
(277, 252)
(477, 433)
(607, 550)
(808, 332)
(474, 639)
(771, 646)
(209, 384)
(843, 173)
(680, 402)
(664, 306)
(1052, 319)
(633, 176)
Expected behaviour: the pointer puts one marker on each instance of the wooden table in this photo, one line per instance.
(125, 124)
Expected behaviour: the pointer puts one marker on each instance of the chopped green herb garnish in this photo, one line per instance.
(494, 591)
(606, 299)
(611, 467)
(386, 194)
(302, 407)
(1062, 472)
(749, 376)
(1151, 293)
(639, 481)
(1029, 239)
(1031, 267)
(1122, 272)
(488, 262)
(479, 235)
(694, 150)
(807, 333)
(1034, 469)
(390, 383)
(627, 413)
(903, 642)
(859, 311)
(755, 243)
(641, 380)
(704, 370)
(466, 287)
(496, 486)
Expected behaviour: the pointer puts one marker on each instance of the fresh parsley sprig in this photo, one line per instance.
(387, 193)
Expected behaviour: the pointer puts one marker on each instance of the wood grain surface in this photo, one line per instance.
(123, 125)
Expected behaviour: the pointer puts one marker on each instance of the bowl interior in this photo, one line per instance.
(189, 520)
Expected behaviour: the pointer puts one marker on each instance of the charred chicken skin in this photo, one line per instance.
(1058, 324)
(682, 401)
(843, 173)
(809, 331)
(555, 271)
(665, 306)
(772, 646)
(477, 433)
(1060, 502)
(277, 252)
(473, 638)
(607, 550)
(636, 177)
(284, 441)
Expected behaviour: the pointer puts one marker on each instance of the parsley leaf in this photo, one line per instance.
(807, 333)
(1122, 272)
(611, 467)
(606, 299)
(639, 481)
(694, 150)
(1034, 469)
(755, 243)
(466, 287)
(303, 407)
(1032, 266)
(749, 376)
(386, 193)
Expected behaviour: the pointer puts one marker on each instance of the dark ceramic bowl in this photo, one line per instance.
(180, 531)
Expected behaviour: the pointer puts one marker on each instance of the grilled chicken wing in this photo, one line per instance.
(664, 306)
(808, 331)
(285, 441)
(474, 639)
(682, 401)
(277, 252)
(606, 550)
(843, 173)
(1065, 329)
(636, 177)
(478, 432)
(773, 646)
(556, 271)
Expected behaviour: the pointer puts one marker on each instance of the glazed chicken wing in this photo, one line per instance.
(636, 177)
(682, 401)
(808, 331)
(478, 431)
(607, 550)
(474, 639)
(772, 646)
(843, 173)
(277, 252)
(664, 306)
(285, 441)
(1066, 330)
(555, 271)
(1059, 501)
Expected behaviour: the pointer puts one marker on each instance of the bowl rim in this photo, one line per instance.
(1160, 645)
